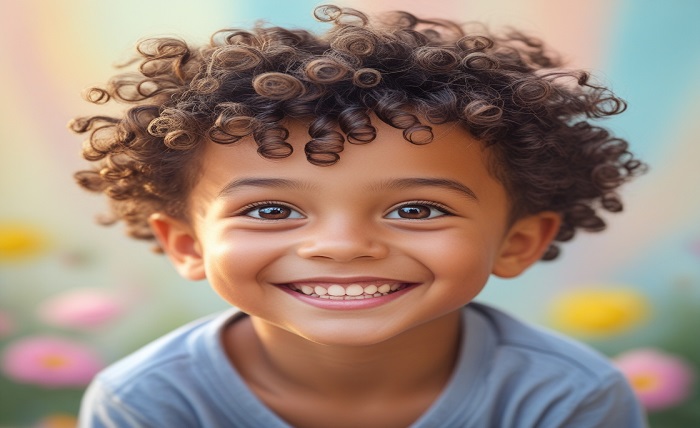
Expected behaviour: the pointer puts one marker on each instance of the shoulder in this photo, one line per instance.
(536, 377)
(514, 338)
(168, 353)
(164, 377)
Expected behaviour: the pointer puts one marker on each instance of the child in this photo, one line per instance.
(350, 194)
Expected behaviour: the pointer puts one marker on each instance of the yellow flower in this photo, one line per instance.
(598, 311)
(19, 241)
(58, 421)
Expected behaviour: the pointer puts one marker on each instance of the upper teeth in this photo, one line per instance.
(352, 290)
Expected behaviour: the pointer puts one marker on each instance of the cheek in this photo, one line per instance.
(462, 258)
(233, 263)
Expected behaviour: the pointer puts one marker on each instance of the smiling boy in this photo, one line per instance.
(350, 194)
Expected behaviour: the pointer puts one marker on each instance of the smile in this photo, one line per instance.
(348, 291)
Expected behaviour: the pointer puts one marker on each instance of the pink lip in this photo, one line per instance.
(346, 304)
(348, 280)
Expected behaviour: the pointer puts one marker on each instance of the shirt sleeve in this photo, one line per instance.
(102, 409)
(611, 405)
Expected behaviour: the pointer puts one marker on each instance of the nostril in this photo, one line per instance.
(342, 251)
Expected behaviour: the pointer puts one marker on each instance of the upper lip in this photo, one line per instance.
(343, 280)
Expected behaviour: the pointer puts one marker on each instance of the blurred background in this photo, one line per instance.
(75, 296)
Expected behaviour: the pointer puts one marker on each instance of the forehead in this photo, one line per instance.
(452, 155)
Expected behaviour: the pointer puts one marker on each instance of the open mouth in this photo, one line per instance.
(348, 292)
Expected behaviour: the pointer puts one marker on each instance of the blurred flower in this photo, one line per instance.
(18, 241)
(58, 421)
(695, 247)
(7, 326)
(596, 312)
(50, 361)
(75, 258)
(81, 308)
(660, 380)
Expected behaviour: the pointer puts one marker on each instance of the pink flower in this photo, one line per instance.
(660, 380)
(51, 362)
(81, 308)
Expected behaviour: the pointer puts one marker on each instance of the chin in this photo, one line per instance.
(341, 336)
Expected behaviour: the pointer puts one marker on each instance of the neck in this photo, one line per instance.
(416, 360)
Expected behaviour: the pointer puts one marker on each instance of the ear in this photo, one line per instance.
(526, 242)
(179, 242)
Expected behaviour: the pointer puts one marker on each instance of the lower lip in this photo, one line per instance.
(354, 304)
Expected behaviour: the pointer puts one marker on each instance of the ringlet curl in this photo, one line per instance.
(537, 119)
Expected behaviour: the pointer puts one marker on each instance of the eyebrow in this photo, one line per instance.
(444, 183)
(262, 182)
(398, 183)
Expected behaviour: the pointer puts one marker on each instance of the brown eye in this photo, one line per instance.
(273, 212)
(416, 211)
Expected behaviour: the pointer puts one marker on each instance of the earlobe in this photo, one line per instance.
(179, 242)
(526, 242)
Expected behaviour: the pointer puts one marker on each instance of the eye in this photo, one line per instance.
(270, 211)
(418, 211)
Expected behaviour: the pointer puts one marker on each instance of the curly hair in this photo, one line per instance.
(508, 91)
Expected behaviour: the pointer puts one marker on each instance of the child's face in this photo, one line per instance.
(429, 219)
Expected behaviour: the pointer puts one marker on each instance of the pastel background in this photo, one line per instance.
(75, 296)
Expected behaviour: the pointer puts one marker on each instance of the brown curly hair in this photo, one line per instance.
(507, 90)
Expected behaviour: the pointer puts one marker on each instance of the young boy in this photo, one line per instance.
(350, 194)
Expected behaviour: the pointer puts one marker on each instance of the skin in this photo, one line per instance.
(350, 365)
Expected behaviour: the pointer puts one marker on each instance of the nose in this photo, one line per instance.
(342, 241)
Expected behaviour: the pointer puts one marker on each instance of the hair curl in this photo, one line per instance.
(506, 90)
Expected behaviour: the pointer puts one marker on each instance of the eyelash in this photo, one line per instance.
(244, 211)
(440, 207)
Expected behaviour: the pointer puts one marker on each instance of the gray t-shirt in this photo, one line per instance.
(509, 375)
